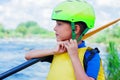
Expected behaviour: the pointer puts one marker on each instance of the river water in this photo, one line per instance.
(12, 54)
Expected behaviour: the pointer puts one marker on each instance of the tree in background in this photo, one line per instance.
(1, 28)
(2, 31)
(26, 29)
(32, 28)
(22, 28)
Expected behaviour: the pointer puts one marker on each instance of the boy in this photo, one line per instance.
(73, 19)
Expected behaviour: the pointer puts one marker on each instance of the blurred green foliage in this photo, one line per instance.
(113, 63)
(26, 29)
(1, 31)
(109, 34)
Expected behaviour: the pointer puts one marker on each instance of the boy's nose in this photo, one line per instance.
(55, 28)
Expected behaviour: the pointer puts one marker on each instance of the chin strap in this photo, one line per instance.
(82, 34)
(73, 30)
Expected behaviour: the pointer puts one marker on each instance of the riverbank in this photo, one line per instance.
(37, 40)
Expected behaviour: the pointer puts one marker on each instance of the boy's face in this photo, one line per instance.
(63, 31)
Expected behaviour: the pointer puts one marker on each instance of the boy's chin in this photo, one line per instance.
(58, 40)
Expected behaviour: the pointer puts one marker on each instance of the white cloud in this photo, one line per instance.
(110, 3)
(1, 8)
(18, 11)
(102, 18)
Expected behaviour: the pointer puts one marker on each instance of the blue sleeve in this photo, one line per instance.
(93, 65)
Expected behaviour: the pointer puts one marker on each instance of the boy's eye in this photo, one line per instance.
(59, 24)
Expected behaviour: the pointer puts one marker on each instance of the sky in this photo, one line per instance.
(13, 12)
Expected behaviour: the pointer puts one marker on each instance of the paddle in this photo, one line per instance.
(99, 29)
(33, 61)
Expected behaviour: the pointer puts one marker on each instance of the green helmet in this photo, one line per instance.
(75, 11)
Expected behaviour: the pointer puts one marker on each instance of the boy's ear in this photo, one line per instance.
(77, 29)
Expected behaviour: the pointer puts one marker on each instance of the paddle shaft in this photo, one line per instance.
(19, 68)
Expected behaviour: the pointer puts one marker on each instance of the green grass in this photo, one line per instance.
(113, 63)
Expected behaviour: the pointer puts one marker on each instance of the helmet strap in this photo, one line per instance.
(73, 30)
(74, 34)
(82, 34)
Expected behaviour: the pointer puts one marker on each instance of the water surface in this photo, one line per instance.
(12, 54)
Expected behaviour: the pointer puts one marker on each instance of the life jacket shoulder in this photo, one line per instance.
(101, 75)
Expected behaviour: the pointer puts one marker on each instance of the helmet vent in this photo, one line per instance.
(72, 19)
(58, 11)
